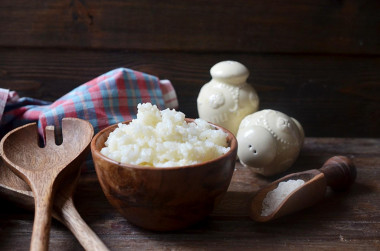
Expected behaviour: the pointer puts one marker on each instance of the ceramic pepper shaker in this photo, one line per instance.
(227, 98)
(269, 141)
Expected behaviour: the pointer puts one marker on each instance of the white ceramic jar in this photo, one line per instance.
(227, 98)
(269, 141)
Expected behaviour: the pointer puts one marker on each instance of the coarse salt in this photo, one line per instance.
(275, 197)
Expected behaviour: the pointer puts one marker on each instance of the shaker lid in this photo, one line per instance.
(229, 71)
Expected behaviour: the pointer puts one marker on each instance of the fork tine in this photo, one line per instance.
(50, 138)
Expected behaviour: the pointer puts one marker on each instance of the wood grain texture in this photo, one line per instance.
(74, 222)
(348, 220)
(164, 198)
(345, 27)
(317, 61)
(44, 168)
(310, 193)
(15, 190)
(331, 96)
(340, 172)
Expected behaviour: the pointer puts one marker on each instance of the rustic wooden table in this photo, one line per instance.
(348, 220)
(317, 61)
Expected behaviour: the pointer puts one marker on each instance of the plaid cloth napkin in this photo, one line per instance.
(105, 100)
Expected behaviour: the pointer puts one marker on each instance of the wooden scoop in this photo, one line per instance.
(338, 172)
(17, 191)
(44, 169)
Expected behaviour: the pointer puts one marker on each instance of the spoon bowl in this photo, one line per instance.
(45, 168)
(14, 189)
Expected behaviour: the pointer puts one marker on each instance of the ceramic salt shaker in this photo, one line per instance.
(227, 98)
(269, 141)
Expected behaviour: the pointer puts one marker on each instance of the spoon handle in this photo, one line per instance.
(42, 220)
(340, 172)
(70, 217)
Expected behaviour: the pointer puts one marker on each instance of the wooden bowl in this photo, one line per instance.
(163, 198)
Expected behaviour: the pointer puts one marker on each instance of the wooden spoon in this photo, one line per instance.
(17, 191)
(44, 169)
(338, 172)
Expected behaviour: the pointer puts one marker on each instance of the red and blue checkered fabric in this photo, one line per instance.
(105, 100)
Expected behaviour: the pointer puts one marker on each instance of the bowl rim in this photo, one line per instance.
(233, 147)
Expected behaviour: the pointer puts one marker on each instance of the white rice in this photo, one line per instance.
(163, 139)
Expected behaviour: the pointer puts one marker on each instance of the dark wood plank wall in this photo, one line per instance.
(318, 61)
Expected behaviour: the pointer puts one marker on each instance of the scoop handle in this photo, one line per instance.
(340, 172)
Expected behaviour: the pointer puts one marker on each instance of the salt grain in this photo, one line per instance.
(275, 197)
